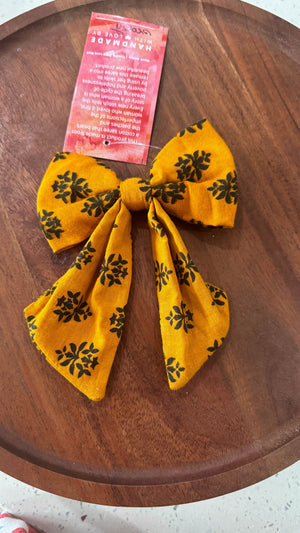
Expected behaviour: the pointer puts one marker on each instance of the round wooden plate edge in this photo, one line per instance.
(152, 495)
(30, 17)
(147, 495)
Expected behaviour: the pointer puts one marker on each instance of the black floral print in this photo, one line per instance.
(174, 369)
(50, 291)
(100, 164)
(226, 188)
(185, 268)
(192, 165)
(71, 307)
(181, 317)
(198, 222)
(70, 187)
(157, 226)
(82, 358)
(117, 321)
(113, 270)
(31, 322)
(60, 155)
(50, 224)
(162, 274)
(218, 296)
(84, 257)
(100, 203)
(145, 187)
(168, 192)
(212, 349)
(193, 128)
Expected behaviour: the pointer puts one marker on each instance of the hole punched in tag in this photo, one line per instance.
(106, 142)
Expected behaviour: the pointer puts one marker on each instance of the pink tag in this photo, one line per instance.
(116, 90)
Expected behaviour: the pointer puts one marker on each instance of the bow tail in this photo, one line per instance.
(77, 324)
(194, 315)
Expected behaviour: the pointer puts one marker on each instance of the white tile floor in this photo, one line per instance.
(272, 505)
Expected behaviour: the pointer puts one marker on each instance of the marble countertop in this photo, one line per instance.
(271, 505)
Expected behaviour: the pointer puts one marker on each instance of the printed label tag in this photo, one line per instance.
(116, 90)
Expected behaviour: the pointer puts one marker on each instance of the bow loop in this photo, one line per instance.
(75, 193)
(78, 322)
(191, 172)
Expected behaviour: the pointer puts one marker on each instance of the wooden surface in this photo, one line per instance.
(237, 421)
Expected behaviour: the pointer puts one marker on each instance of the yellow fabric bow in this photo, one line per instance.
(77, 324)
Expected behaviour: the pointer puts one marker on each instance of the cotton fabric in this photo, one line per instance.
(77, 323)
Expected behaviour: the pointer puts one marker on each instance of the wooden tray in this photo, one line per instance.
(237, 421)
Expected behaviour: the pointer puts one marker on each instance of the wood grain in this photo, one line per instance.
(237, 421)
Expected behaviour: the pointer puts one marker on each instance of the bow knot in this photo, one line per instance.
(133, 195)
(77, 323)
